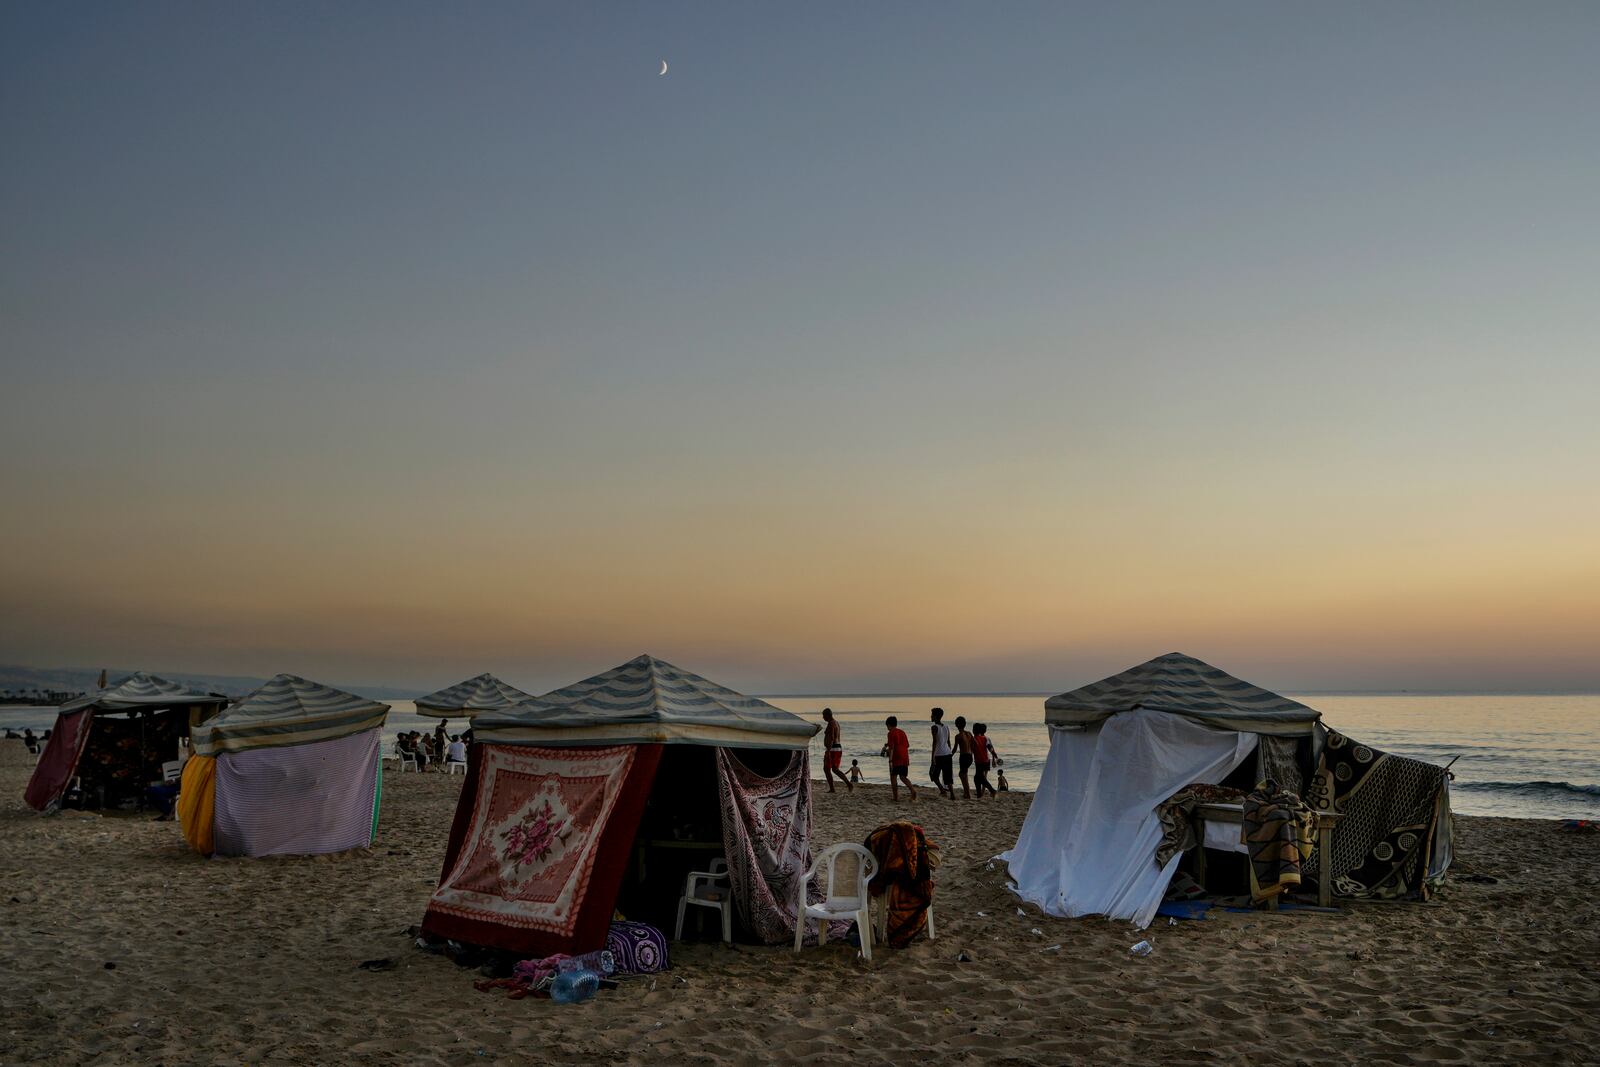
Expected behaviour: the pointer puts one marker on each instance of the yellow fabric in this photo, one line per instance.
(197, 802)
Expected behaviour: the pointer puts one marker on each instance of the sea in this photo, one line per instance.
(1524, 756)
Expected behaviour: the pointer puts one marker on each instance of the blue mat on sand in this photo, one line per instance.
(1184, 909)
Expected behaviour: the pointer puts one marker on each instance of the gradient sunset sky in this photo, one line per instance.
(876, 347)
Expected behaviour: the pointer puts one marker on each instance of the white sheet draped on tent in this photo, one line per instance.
(298, 800)
(1088, 845)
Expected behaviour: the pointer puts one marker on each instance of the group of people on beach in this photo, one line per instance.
(970, 751)
(34, 744)
(436, 749)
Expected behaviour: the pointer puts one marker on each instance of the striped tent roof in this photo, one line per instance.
(645, 701)
(483, 693)
(1183, 685)
(288, 711)
(141, 690)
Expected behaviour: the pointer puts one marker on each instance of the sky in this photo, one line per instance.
(890, 347)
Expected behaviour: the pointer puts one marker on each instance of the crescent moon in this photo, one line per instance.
(663, 68)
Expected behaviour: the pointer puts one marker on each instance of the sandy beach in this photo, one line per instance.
(117, 945)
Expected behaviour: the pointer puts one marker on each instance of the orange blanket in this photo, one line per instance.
(906, 859)
(197, 802)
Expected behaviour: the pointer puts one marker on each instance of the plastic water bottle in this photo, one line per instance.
(574, 987)
(600, 961)
(1143, 948)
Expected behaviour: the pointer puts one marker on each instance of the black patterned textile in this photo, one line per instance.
(1390, 807)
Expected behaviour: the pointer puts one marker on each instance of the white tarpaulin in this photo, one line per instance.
(1088, 845)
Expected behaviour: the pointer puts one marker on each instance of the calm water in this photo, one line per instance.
(1526, 756)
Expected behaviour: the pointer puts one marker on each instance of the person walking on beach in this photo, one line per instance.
(898, 748)
(964, 755)
(855, 771)
(942, 750)
(441, 737)
(982, 754)
(833, 752)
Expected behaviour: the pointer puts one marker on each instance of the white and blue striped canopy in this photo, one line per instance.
(141, 690)
(287, 711)
(645, 701)
(483, 693)
(1183, 685)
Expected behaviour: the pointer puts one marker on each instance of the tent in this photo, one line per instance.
(603, 794)
(116, 740)
(483, 693)
(291, 769)
(1121, 746)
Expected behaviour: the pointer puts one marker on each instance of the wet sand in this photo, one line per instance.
(117, 945)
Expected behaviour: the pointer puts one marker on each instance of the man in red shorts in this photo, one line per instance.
(833, 752)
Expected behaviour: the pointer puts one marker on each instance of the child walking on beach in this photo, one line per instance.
(898, 748)
(855, 771)
(964, 748)
(983, 753)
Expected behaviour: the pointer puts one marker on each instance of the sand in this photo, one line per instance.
(119, 946)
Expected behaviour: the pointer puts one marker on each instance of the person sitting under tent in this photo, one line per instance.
(410, 747)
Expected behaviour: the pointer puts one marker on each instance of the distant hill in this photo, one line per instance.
(83, 679)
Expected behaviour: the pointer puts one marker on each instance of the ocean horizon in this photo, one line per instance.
(1521, 755)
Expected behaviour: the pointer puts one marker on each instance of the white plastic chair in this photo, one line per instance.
(454, 766)
(708, 889)
(407, 759)
(835, 905)
(171, 770)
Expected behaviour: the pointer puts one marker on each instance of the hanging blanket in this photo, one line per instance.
(1391, 808)
(539, 845)
(197, 803)
(906, 860)
(1278, 758)
(55, 768)
(766, 833)
(296, 800)
(1277, 830)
